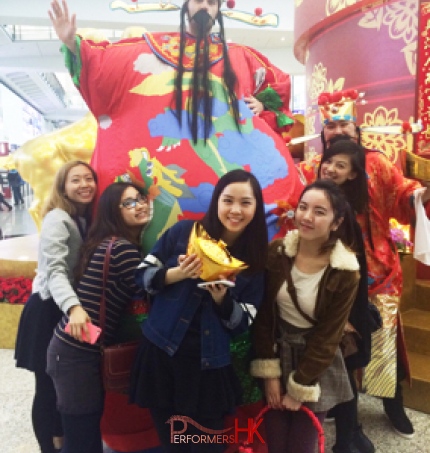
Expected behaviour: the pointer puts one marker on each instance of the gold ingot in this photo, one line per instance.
(215, 256)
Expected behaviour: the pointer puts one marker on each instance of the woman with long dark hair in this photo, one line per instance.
(184, 366)
(74, 365)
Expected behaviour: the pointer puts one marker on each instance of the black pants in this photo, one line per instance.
(46, 419)
(82, 433)
(160, 417)
(17, 195)
(345, 416)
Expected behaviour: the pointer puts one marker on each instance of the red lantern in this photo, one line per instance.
(258, 11)
(231, 4)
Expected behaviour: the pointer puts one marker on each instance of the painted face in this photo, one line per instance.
(211, 6)
(338, 168)
(335, 128)
(134, 208)
(236, 209)
(80, 186)
(314, 217)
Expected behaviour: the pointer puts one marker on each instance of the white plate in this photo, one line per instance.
(228, 283)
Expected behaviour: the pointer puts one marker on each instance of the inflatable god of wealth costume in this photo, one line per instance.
(178, 154)
(129, 86)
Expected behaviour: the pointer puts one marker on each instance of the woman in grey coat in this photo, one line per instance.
(66, 219)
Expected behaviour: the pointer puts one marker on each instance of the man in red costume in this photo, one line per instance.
(389, 194)
(175, 119)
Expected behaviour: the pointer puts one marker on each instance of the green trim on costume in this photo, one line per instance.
(273, 102)
(73, 62)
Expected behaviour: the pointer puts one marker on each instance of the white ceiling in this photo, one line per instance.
(35, 71)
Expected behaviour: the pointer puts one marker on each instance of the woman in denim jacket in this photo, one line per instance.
(183, 366)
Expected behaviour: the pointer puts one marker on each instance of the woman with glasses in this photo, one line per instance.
(122, 213)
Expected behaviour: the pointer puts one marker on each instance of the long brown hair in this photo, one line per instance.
(108, 221)
(57, 197)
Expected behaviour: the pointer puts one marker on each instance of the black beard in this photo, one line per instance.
(199, 102)
(203, 21)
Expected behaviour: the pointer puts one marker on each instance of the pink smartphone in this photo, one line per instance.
(93, 330)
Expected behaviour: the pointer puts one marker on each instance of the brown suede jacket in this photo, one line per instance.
(336, 294)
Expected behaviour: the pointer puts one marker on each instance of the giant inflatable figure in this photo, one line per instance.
(174, 112)
(173, 126)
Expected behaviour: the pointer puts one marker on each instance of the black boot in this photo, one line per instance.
(396, 414)
(361, 442)
(350, 449)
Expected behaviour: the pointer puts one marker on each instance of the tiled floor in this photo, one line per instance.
(16, 390)
(18, 221)
(16, 436)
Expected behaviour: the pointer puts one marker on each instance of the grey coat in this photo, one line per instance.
(59, 245)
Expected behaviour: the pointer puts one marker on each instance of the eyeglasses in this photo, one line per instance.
(130, 203)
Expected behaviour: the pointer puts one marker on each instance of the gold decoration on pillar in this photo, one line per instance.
(319, 82)
(390, 144)
(333, 6)
(401, 18)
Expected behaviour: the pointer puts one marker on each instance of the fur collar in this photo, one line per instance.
(340, 258)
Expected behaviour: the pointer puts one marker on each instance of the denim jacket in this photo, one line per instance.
(173, 307)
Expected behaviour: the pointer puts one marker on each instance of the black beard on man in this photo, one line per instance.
(200, 94)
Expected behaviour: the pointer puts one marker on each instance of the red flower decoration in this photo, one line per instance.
(258, 11)
(231, 4)
(337, 96)
(323, 98)
(332, 98)
(406, 127)
(15, 290)
(352, 94)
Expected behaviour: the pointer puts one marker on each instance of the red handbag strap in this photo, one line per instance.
(102, 313)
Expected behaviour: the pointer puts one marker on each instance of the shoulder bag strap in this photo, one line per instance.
(292, 290)
(102, 314)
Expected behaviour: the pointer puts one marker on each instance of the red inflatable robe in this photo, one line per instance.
(129, 88)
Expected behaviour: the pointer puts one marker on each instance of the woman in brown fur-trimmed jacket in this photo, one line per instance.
(312, 279)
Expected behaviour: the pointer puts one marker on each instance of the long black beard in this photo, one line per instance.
(199, 104)
(200, 99)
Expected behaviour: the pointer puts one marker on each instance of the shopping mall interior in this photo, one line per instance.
(335, 46)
